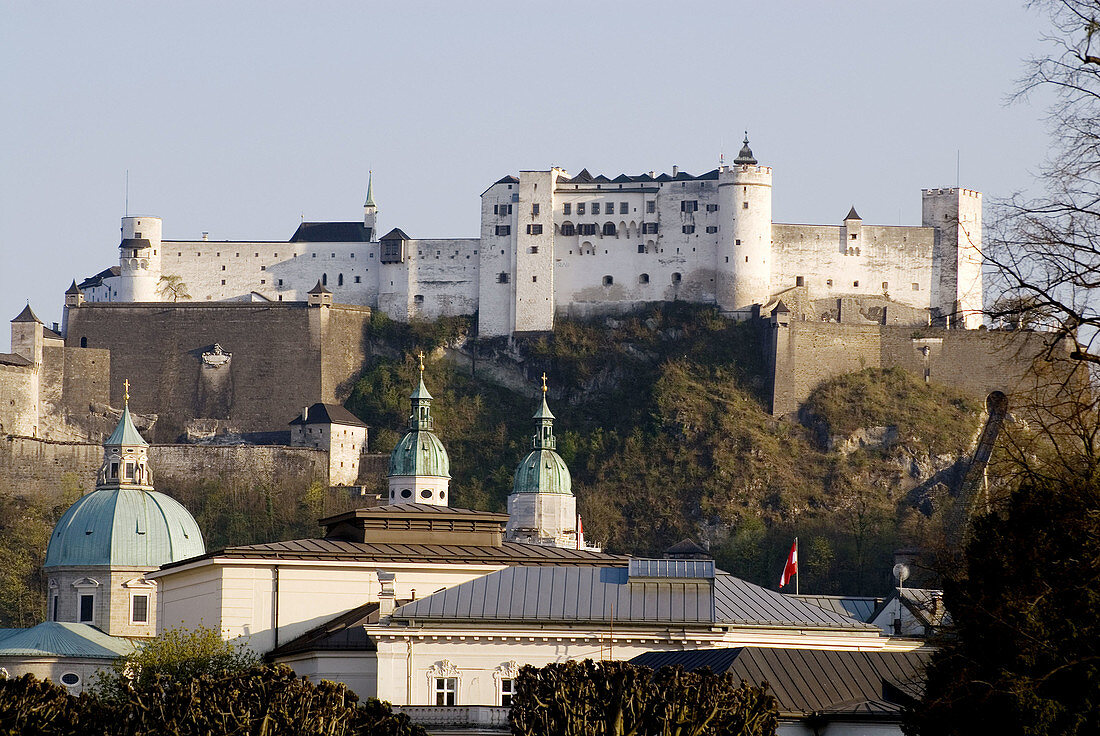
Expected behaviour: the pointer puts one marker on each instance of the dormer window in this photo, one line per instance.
(114, 470)
(129, 474)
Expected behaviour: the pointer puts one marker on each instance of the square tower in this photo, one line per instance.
(956, 216)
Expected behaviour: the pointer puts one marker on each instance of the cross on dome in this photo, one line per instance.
(126, 392)
(544, 382)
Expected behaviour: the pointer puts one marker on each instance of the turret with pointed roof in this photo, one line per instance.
(542, 508)
(419, 466)
(370, 210)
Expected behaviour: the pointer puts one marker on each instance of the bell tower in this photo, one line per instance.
(370, 210)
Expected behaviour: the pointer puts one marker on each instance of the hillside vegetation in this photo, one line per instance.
(661, 420)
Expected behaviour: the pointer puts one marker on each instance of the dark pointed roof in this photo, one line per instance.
(97, 280)
(852, 214)
(319, 289)
(27, 315)
(331, 232)
(745, 155)
(686, 548)
(781, 308)
(73, 288)
(395, 234)
(321, 413)
(507, 180)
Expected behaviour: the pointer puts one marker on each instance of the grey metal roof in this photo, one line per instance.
(814, 681)
(331, 232)
(559, 594)
(858, 607)
(671, 568)
(55, 639)
(343, 633)
(321, 413)
(14, 359)
(27, 315)
(508, 553)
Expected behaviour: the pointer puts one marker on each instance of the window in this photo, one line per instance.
(324, 279)
(114, 470)
(688, 229)
(828, 282)
(504, 229)
(737, 242)
(676, 278)
(358, 279)
(87, 608)
(223, 268)
(515, 197)
(799, 281)
(502, 278)
(446, 690)
(280, 282)
(566, 209)
(643, 279)
(595, 208)
(744, 205)
(534, 229)
(340, 279)
(580, 208)
(916, 287)
(534, 279)
(502, 209)
(568, 229)
(586, 229)
(533, 249)
(624, 208)
(419, 298)
(712, 208)
(641, 248)
(54, 601)
(608, 281)
(83, 342)
(70, 679)
(855, 283)
(649, 228)
(651, 206)
(885, 285)
(689, 205)
(507, 690)
(609, 228)
(534, 209)
(712, 229)
(263, 268)
(139, 608)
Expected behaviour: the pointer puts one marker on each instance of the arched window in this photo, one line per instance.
(676, 278)
(609, 228)
(568, 229)
(340, 280)
(643, 279)
(324, 279)
(83, 342)
(608, 281)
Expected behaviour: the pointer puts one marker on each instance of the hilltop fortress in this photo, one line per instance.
(554, 244)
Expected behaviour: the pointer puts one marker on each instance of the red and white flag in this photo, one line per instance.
(580, 533)
(791, 568)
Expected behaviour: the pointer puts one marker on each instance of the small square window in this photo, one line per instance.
(280, 282)
(916, 287)
(223, 282)
(358, 279)
(855, 283)
(139, 608)
(580, 208)
(852, 236)
(595, 208)
(744, 205)
(263, 268)
(624, 208)
(651, 206)
(534, 279)
(641, 248)
(446, 690)
(567, 208)
(534, 209)
(885, 285)
(828, 282)
(798, 281)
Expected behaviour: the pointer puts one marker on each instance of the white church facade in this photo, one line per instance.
(553, 244)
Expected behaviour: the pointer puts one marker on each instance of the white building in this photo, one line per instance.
(552, 244)
(334, 429)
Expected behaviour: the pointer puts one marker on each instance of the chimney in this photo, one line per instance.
(55, 327)
(305, 413)
(205, 235)
(387, 597)
(675, 169)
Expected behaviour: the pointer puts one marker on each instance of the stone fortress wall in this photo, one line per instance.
(553, 244)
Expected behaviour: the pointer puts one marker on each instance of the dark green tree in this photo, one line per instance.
(620, 699)
(1024, 655)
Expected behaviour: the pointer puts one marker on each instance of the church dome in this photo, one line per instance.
(124, 528)
(542, 471)
(420, 453)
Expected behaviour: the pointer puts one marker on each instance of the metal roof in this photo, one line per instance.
(124, 527)
(508, 553)
(568, 595)
(331, 232)
(27, 315)
(56, 639)
(814, 681)
(671, 568)
(343, 633)
(322, 413)
(126, 433)
(861, 608)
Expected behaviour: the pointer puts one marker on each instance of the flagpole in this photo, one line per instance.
(797, 575)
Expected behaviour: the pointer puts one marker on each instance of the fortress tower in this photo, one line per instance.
(370, 210)
(956, 216)
(139, 259)
(743, 269)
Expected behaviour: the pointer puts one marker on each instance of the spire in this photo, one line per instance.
(73, 289)
(745, 156)
(421, 417)
(126, 433)
(370, 190)
(544, 424)
(27, 315)
(852, 214)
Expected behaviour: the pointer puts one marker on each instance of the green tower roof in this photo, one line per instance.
(126, 433)
(420, 452)
(123, 528)
(542, 470)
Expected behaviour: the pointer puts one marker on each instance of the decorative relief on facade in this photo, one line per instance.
(216, 358)
(506, 671)
(442, 668)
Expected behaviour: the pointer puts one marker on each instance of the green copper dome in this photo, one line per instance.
(542, 471)
(126, 433)
(124, 528)
(420, 453)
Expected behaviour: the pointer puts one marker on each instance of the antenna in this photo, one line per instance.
(958, 166)
(127, 214)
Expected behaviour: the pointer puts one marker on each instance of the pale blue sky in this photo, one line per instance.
(238, 118)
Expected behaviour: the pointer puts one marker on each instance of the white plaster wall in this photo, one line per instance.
(535, 517)
(496, 298)
(534, 274)
(52, 668)
(345, 446)
(897, 256)
(443, 277)
(956, 214)
(428, 489)
(747, 197)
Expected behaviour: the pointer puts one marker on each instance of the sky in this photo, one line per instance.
(242, 118)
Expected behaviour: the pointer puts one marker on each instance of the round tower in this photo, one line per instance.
(419, 466)
(542, 508)
(139, 260)
(743, 272)
(103, 545)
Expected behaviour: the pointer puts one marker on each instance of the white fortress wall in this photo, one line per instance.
(443, 277)
(896, 256)
(497, 268)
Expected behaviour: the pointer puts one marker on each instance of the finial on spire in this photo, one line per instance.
(745, 155)
(544, 382)
(126, 392)
(420, 355)
(370, 190)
